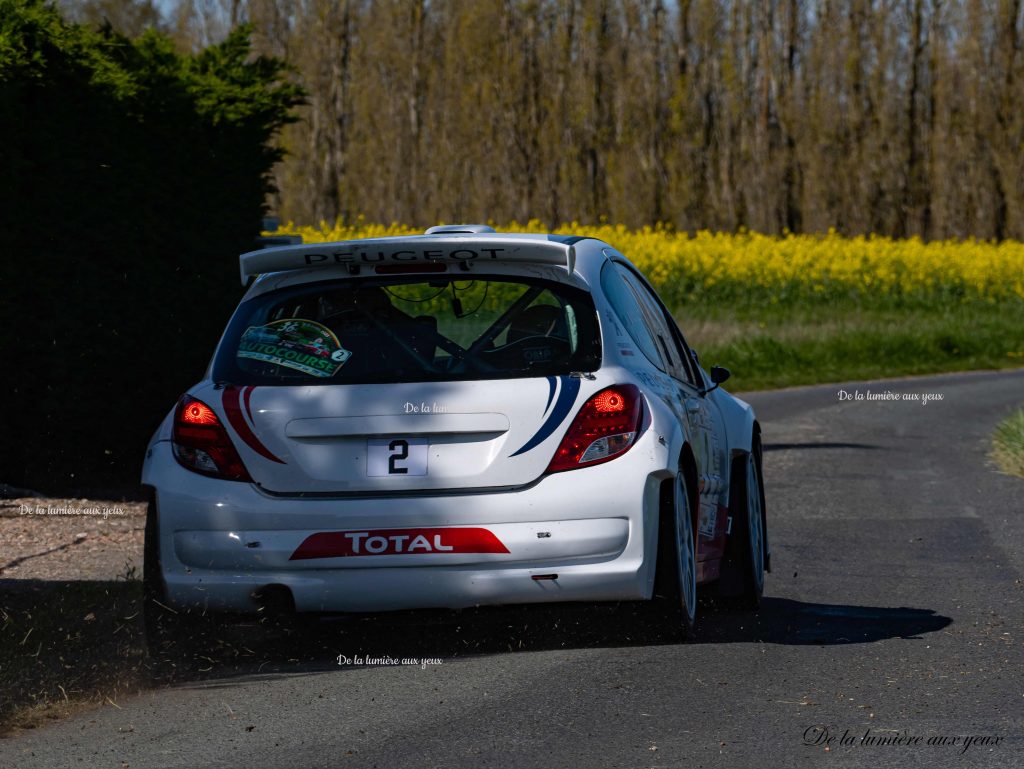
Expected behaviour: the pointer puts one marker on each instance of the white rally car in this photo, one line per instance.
(448, 420)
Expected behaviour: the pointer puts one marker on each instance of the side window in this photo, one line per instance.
(654, 318)
(623, 300)
(684, 350)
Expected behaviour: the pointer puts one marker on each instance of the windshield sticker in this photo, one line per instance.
(303, 345)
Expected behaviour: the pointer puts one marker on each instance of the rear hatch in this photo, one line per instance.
(404, 383)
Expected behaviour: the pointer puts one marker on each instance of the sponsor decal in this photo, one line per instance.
(713, 520)
(303, 345)
(368, 542)
(708, 520)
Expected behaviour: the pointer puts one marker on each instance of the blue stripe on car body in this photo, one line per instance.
(566, 398)
(552, 383)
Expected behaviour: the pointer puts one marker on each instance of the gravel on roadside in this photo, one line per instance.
(71, 539)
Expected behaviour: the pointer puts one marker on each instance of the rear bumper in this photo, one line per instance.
(596, 528)
(374, 590)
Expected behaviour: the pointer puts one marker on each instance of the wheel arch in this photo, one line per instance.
(758, 449)
(687, 463)
(739, 422)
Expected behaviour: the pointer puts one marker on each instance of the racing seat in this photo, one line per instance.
(538, 336)
(373, 349)
(539, 320)
(423, 336)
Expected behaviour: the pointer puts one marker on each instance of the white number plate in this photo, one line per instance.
(396, 456)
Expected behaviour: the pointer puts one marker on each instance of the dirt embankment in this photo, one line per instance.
(70, 539)
(70, 605)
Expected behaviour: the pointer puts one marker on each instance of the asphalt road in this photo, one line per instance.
(895, 606)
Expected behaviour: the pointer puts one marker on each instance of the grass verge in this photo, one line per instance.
(768, 347)
(1008, 444)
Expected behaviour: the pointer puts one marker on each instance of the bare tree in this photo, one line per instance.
(890, 116)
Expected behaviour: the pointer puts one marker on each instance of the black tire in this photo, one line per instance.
(741, 584)
(675, 583)
(171, 632)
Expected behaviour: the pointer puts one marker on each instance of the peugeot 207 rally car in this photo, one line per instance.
(448, 420)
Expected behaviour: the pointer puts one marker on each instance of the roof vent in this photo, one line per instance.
(459, 229)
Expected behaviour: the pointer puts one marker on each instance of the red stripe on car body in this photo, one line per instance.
(246, 396)
(234, 414)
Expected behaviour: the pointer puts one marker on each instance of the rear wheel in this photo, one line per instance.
(170, 631)
(742, 580)
(675, 589)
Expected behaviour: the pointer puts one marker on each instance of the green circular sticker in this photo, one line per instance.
(303, 345)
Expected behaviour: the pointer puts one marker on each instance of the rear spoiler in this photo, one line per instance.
(458, 249)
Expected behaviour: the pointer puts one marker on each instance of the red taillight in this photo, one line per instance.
(610, 400)
(197, 413)
(605, 427)
(201, 443)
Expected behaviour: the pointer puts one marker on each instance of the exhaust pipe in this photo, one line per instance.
(275, 602)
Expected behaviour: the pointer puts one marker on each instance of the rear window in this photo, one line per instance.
(410, 330)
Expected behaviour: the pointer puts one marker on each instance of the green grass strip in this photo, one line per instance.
(1008, 444)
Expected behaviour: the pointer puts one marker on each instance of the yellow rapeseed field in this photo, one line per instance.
(782, 268)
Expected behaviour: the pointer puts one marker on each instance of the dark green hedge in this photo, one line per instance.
(131, 177)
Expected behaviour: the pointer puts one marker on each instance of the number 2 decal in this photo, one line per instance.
(392, 457)
(402, 449)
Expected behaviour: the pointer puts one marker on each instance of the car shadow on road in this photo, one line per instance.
(785, 621)
(817, 445)
(341, 644)
(92, 633)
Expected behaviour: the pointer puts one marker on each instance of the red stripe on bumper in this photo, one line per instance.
(342, 544)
